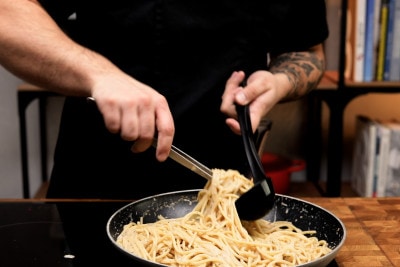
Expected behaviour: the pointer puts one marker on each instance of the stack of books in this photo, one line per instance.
(373, 40)
(376, 158)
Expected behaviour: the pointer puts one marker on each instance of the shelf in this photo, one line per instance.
(336, 95)
(330, 81)
(374, 84)
(336, 92)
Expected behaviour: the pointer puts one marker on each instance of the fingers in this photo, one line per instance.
(159, 122)
(165, 136)
(111, 114)
(233, 124)
(231, 88)
(137, 121)
(166, 131)
(138, 113)
(260, 92)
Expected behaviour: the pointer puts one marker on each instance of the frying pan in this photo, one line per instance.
(302, 214)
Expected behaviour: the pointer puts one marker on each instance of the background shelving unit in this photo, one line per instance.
(336, 92)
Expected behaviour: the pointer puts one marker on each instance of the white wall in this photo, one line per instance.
(10, 157)
(10, 149)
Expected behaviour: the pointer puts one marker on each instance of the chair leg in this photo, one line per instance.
(43, 136)
(24, 149)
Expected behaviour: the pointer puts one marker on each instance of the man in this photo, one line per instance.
(170, 69)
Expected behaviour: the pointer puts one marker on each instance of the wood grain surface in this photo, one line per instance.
(373, 230)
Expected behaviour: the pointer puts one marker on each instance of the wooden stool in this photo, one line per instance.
(26, 94)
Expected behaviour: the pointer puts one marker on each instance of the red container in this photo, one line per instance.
(279, 169)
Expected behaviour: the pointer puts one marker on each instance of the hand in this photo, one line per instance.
(136, 111)
(262, 91)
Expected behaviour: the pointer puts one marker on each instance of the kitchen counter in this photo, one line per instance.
(373, 230)
(32, 232)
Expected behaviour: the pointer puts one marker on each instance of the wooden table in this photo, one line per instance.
(373, 230)
(372, 225)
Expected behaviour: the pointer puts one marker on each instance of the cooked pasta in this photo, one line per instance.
(213, 234)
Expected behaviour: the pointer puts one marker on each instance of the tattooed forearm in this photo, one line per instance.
(303, 69)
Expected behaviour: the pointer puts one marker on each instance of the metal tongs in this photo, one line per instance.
(187, 161)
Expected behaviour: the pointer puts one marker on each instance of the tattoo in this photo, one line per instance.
(303, 69)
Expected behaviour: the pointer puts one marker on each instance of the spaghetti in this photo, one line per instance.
(213, 234)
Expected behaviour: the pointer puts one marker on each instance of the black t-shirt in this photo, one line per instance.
(186, 50)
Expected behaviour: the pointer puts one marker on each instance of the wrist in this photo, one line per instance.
(286, 84)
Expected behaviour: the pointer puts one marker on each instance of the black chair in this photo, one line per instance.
(26, 94)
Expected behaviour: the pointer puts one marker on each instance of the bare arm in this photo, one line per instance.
(304, 70)
(34, 48)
